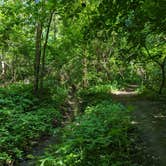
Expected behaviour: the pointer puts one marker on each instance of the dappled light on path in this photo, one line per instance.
(160, 116)
(125, 93)
(150, 118)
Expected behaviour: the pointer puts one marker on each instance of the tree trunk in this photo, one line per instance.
(37, 58)
(163, 76)
(3, 67)
(13, 68)
(85, 72)
(44, 52)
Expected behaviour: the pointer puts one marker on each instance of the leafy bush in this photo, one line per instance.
(59, 95)
(95, 95)
(19, 130)
(23, 120)
(98, 137)
(106, 88)
(18, 96)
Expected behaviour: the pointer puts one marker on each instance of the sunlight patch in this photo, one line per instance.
(159, 116)
(124, 93)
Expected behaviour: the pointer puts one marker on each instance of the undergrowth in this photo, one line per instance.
(98, 137)
(23, 120)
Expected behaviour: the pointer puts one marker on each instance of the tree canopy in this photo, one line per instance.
(63, 53)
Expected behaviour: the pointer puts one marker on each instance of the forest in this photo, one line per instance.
(82, 82)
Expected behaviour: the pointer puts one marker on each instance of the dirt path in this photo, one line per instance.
(150, 117)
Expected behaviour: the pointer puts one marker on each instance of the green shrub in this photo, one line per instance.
(18, 97)
(106, 88)
(95, 95)
(98, 137)
(23, 120)
(59, 95)
(19, 130)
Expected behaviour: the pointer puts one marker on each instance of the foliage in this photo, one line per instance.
(22, 123)
(18, 96)
(68, 52)
(59, 95)
(98, 137)
(107, 88)
(95, 94)
(87, 44)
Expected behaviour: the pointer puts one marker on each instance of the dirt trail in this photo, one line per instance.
(150, 117)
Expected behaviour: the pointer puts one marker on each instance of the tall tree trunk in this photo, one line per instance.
(13, 69)
(3, 67)
(44, 52)
(85, 71)
(106, 64)
(37, 58)
(163, 76)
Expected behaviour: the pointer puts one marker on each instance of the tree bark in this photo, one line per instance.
(163, 76)
(85, 72)
(37, 58)
(44, 52)
(3, 67)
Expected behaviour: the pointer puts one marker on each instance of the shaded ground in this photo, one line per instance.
(38, 151)
(150, 118)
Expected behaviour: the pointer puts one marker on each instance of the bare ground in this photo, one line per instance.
(150, 118)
